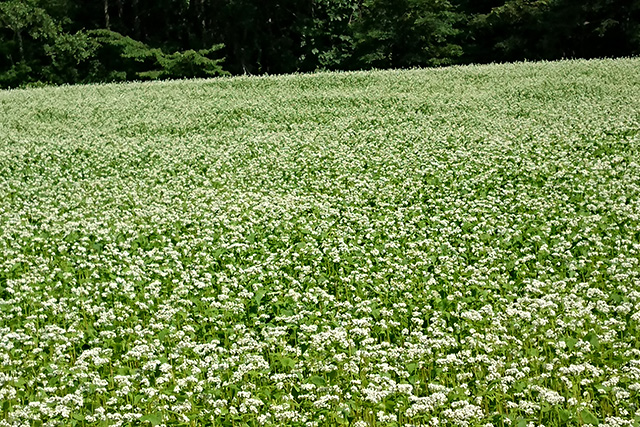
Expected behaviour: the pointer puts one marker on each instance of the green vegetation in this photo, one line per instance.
(457, 246)
(84, 41)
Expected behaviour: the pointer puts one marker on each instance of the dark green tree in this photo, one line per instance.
(67, 41)
(553, 29)
(26, 29)
(407, 33)
(328, 40)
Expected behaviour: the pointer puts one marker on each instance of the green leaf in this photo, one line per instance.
(520, 386)
(287, 362)
(260, 293)
(593, 340)
(318, 381)
(341, 420)
(588, 417)
(154, 419)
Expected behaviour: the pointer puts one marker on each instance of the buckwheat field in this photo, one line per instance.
(453, 247)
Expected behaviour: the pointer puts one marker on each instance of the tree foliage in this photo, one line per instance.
(28, 28)
(407, 33)
(553, 29)
(68, 41)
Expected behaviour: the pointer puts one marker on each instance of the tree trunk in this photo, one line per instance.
(20, 45)
(136, 19)
(107, 22)
(201, 21)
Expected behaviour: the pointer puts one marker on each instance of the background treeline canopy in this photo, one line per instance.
(70, 41)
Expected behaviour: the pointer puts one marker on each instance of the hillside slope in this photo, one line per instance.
(384, 248)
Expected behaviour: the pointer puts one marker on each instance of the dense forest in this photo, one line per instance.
(72, 41)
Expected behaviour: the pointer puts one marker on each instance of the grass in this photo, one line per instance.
(457, 246)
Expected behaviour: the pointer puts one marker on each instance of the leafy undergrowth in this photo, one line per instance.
(456, 246)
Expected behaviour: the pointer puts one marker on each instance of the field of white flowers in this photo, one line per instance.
(457, 246)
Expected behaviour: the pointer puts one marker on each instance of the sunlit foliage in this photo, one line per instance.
(457, 246)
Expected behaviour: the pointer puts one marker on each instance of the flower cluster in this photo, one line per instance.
(458, 246)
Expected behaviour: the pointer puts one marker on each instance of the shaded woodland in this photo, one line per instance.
(66, 41)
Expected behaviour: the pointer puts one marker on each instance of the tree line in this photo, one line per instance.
(77, 41)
